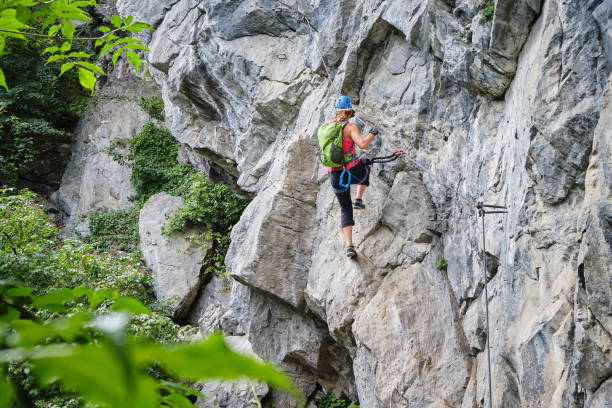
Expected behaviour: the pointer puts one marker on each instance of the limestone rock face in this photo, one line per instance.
(509, 106)
(174, 260)
(93, 180)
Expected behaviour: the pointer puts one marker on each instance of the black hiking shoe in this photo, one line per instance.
(350, 251)
(359, 205)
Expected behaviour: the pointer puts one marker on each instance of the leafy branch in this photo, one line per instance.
(54, 20)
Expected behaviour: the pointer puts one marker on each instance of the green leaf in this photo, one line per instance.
(136, 47)
(106, 49)
(55, 58)
(7, 393)
(126, 40)
(23, 14)
(66, 46)
(177, 400)
(128, 20)
(97, 373)
(67, 29)
(215, 360)
(66, 67)
(116, 20)
(134, 59)
(81, 291)
(53, 30)
(79, 54)
(19, 291)
(116, 56)
(104, 29)
(130, 305)
(185, 390)
(27, 333)
(100, 295)
(141, 25)
(87, 79)
(57, 297)
(91, 67)
(10, 315)
(51, 50)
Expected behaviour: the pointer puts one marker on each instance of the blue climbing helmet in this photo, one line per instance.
(343, 103)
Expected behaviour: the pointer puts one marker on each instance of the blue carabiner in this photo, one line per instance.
(348, 182)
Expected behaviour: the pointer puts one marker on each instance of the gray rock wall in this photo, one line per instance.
(515, 111)
(93, 180)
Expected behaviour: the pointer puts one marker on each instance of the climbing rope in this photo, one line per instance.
(303, 18)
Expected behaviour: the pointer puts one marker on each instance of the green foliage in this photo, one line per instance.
(38, 108)
(154, 106)
(213, 205)
(487, 9)
(53, 20)
(331, 401)
(441, 264)
(152, 158)
(33, 252)
(77, 328)
(93, 356)
(114, 231)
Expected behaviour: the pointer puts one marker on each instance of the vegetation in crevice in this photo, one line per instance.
(331, 401)
(442, 264)
(487, 10)
(153, 159)
(154, 106)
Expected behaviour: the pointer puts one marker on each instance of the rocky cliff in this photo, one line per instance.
(508, 102)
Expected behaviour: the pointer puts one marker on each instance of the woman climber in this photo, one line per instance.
(352, 170)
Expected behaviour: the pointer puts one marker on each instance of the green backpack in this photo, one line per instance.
(330, 145)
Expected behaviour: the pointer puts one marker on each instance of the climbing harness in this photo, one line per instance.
(346, 186)
(498, 209)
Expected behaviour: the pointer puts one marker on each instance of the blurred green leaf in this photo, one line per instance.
(177, 400)
(57, 297)
(100, 295)
(53, 30)
(7, 393)
(131, 305)
(18, 291)
(215, 360)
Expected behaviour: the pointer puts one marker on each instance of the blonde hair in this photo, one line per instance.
(343, 115)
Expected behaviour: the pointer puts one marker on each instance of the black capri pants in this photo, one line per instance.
(359, 174)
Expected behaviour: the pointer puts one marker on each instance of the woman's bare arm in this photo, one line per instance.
(361, 142)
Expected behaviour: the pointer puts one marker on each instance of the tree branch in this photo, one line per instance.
(24, 312)
(62, 38)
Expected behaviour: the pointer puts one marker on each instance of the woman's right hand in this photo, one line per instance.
(374, 131)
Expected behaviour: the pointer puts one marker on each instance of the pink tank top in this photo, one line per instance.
(348, 146)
